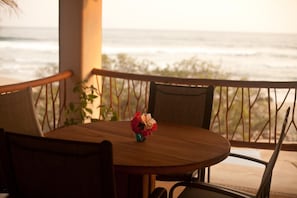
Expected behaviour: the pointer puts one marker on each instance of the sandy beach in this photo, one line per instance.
(6, 81)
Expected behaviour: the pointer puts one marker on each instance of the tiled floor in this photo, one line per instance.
(284, 179)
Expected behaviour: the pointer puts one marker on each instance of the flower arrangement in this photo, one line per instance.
(143, 125)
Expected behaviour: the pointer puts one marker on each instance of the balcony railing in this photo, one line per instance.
(248, 113)
(49, 99)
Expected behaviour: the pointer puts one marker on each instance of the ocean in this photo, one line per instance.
(252, 56)
(25, 50)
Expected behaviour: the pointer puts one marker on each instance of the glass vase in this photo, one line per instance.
(139, 137)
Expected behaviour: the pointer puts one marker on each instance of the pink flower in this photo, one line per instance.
(143, 124)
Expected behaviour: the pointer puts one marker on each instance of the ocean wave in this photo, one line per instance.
(14, 38)
(255, 56)
(29, 45)
(169, 50)
(34, 60)
(240, 52)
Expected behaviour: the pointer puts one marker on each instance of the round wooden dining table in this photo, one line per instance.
(171, 149)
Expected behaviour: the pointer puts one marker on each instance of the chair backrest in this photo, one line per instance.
(3, 182)
(17, 113)
(264, 188)
(181, 104)
(42, 167)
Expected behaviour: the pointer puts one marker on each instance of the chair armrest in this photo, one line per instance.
(159, 192)
(248, 158)
(209, 187)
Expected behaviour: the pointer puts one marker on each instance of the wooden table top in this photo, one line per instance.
(171, 149)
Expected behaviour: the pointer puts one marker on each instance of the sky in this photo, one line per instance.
(31, 13)
(278, 16)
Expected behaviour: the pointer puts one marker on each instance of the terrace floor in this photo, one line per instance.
(246, 176)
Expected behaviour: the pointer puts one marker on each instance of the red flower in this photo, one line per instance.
(143, 124)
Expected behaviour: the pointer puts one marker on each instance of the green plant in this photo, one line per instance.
(79, 112)
(107, 113)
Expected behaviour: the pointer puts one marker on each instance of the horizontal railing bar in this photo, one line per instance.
(35, 83)
(196, 81)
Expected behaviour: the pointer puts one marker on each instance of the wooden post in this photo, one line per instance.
(79, 40)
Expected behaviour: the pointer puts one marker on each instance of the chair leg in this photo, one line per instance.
(208, 174)
(201, 175)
